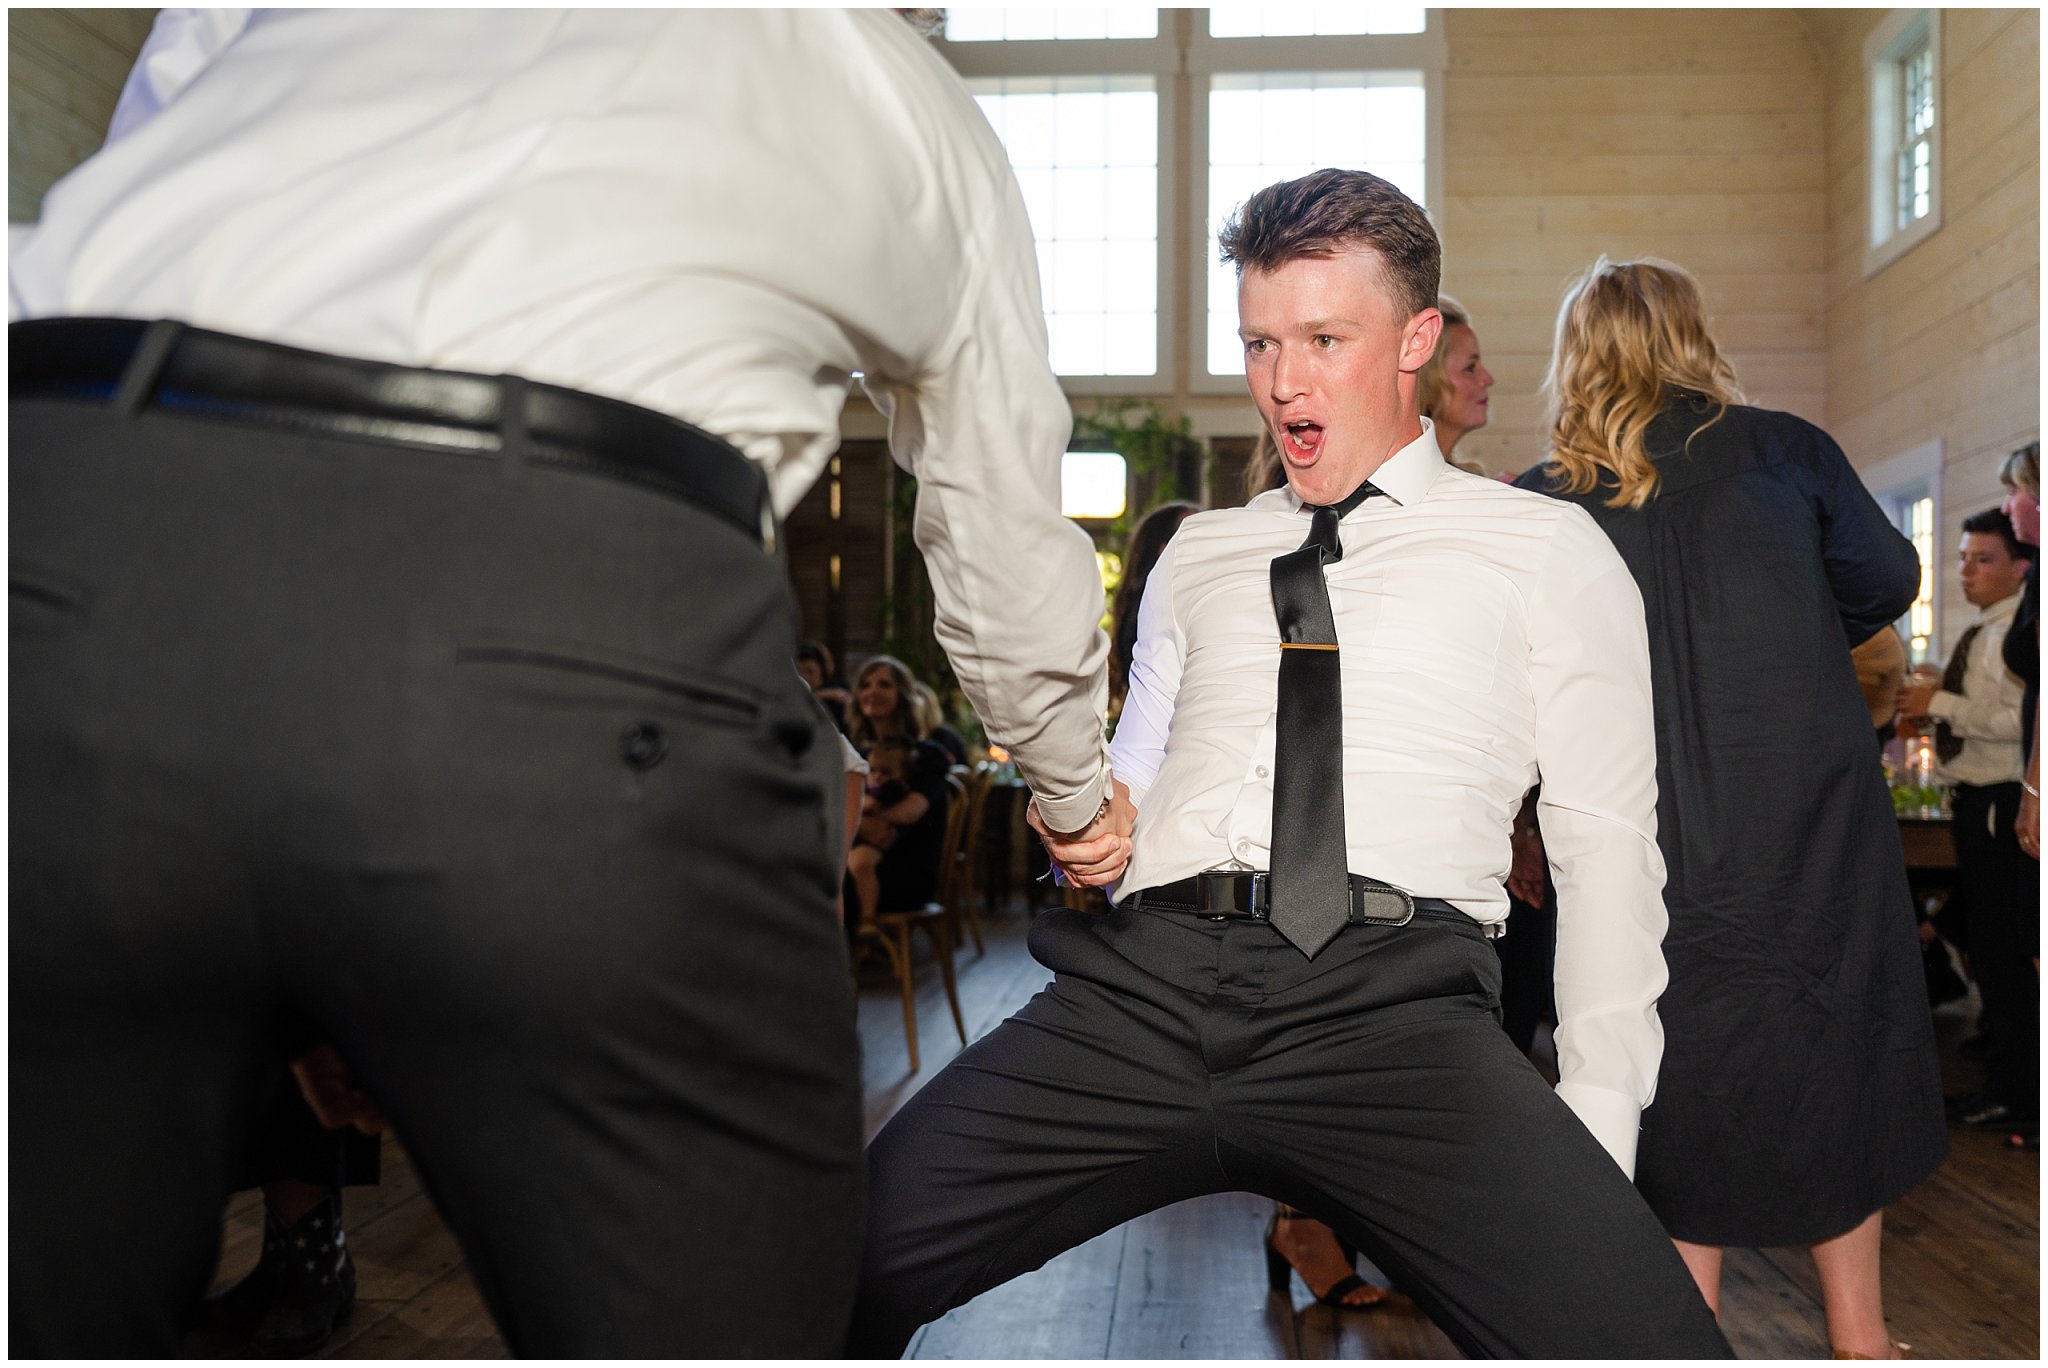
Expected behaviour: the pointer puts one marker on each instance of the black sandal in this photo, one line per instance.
(1279, 1268)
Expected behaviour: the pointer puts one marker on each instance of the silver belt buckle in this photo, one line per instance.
(1217, 892)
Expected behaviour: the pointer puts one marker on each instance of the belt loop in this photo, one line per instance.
(513, 436)
(146, 367)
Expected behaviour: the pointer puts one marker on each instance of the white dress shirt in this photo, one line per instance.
(1986, 719)
(1490, 638)
(720, 214)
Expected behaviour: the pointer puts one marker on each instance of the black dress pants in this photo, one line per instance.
(1175, 1056)
(2002, 893)
(495, 775)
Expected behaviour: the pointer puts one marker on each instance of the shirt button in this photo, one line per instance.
(1244, 847)
(1262, 772)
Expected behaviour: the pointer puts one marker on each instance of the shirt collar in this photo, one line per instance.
(2004, 608)
(1404, 477)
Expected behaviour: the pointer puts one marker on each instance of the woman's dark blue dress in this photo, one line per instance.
(1800, 1088)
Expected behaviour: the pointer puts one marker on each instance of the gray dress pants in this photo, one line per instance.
(496, 777)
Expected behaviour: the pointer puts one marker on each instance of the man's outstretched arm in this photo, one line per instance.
(1597, 750)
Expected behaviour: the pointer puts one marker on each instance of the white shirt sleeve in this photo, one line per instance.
(181, 44)
(1597, 752)
(1018, 593)
(1157, 659)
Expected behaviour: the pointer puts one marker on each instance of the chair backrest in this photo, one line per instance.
(950, 846)
(978, 785)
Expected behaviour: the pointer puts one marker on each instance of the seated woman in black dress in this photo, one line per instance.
(894, 863)
(884, 705)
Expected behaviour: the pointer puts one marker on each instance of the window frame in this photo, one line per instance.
(1896, 40)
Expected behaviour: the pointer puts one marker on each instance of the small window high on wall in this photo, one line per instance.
(1903, 59)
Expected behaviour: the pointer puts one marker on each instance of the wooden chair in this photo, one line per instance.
(891, 930)
(964, 898)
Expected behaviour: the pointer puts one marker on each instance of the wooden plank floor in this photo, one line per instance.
(1961, 1252)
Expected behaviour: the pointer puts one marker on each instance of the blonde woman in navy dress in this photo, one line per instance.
(1800, 1090)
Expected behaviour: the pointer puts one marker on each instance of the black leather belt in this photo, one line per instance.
(1246, 893)
(177, 368)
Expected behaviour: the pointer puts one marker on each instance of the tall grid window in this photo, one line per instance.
(977, 25)
(1919, 619)
(1086, 153)
(1273, 126)
(1282, 21)
(1916, 135)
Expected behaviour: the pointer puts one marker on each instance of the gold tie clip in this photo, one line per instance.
(1308, 646)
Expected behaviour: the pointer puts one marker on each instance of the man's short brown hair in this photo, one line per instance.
(1325, 212)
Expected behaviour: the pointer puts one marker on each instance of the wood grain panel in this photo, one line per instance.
(1747, 43)
(65, 69)
(1944, 341)
(1187, 1282)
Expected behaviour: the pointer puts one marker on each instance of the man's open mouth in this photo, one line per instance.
(1304, 438)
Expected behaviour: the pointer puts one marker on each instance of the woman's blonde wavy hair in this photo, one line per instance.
(1433, 381)
(1628, 334)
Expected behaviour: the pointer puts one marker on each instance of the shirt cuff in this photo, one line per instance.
(1612, 1117)
(1076, 812)
(1944, 704)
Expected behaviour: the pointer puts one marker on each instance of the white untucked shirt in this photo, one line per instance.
(1490, 638)
(720, 214)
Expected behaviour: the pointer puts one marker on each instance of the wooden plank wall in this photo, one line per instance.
(1692, 135)
(1945, 341)
(65, 68)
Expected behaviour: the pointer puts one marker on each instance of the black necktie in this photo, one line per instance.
(1947, 744)
(1310, 879)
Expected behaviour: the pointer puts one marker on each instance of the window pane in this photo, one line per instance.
(1082, 278)
(1086, 152)
(1076, 343)
(1131, 128)
(1132, 209)
(1281, 21)
(976, 25)
(1128, 268)
(1130, 343)
(1920, 617)
(1274, 126)
(1919, 92)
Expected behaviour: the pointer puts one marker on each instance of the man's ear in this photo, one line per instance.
(1418, 339)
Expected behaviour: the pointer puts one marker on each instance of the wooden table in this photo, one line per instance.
(1929, 841)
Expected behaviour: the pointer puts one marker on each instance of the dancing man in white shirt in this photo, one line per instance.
(401, 648)
(1251, 1017)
